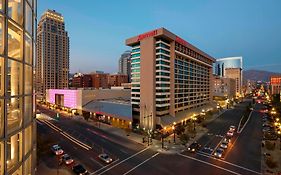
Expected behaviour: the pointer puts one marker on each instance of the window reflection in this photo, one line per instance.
(27, 139)
(14, 41)
(27, 166)
(2, 76)
(14, 150)
(1, 35)
(1, 118)
(14, 78)
(28, 49)
(28, 19)
(14, 114)
(27, 109)
(28, 79)
(15, 10)
(1, 158)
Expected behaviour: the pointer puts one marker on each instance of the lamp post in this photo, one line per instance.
(194, 119)
(164, 131)
(173, 127)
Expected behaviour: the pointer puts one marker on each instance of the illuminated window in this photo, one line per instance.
(14, 78)
(14, 41)
(14, 114)
(14, 150)
(15, 10)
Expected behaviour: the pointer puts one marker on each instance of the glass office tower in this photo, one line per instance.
(17, 128)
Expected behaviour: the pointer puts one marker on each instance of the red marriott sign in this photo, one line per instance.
(181, 41)
(147, 34)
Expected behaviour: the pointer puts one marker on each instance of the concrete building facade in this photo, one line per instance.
(275, 84)
(52, 63)
(236, 74)
(17, 124)
(125, 64)
(224, 87)
(170, 77)
(117, 79)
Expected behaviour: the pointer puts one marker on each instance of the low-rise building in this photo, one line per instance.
(275, 84)
(117, 79)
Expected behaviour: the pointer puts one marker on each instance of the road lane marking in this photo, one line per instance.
(141, 164)
(238, 166)
(66, 135)
(105, 167)
(210, 164)
(124, 160)
(94, 160)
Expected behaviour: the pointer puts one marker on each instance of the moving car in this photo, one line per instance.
(79, 169)
(67, 159)
(224, 144)
(105, 158)
(57, 150)
(194, 147)
(232, 128)
(229, 133)
(219, 153)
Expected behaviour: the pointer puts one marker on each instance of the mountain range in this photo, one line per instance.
(258, 75)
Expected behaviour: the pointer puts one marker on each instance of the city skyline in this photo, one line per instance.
(221, 30)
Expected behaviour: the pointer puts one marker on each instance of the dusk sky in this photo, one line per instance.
(98, 29)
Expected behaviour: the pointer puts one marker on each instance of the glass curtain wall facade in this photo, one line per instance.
(17, 128)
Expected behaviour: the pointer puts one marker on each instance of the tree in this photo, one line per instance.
(184, 138)
(179, 129)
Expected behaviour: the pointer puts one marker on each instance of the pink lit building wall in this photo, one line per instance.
(70, 97)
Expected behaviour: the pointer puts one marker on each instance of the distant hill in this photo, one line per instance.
(257, 75)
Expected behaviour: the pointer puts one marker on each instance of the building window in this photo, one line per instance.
(14, 41)
(14, 150)
(14, 114)
(15, 10)
(14, 77)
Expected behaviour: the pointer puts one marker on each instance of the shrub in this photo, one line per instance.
(269, 145)
(184, 138)
(270, 163)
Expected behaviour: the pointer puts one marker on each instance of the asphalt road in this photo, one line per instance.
(133, 158)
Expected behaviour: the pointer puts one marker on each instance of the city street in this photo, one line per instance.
(130, 157)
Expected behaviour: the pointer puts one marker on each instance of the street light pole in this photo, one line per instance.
(173, 127)
(162, 137)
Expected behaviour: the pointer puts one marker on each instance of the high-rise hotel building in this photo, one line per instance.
(170, 78)
(17, 127)
(52, 64)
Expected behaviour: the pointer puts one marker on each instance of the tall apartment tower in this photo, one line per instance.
(125, 64)
(17, 127)
(170, 79)
(52, 66)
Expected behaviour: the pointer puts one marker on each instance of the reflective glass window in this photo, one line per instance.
(1, 35)
(2, 77)
(15, 10)
(27, 109)
(14, 78)
(1, 118)
(28, 19)
(27, 166)
(14, 41)
(14, 114)
(1, 158)
(27, 139)
(28, 79)
(14, 150)
(28, 49)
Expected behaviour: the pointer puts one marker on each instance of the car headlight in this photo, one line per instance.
(188, 148)
(193, 149)
(219, 155)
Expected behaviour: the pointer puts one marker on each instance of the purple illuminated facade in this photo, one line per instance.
(69, 97)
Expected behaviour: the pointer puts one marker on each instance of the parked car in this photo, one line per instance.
(232, 128)
(227, 139)
(194, 147)
(57, 150)
(66, 159)
(105, 158)
(79, 169)
(219, 153)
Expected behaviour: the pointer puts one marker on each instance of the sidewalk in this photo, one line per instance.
(42, 169)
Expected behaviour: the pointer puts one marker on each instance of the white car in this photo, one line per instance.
(57, 150)
(229, 133)
(105, 158)
(224, 145)
(232, 128)
(67, 159)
